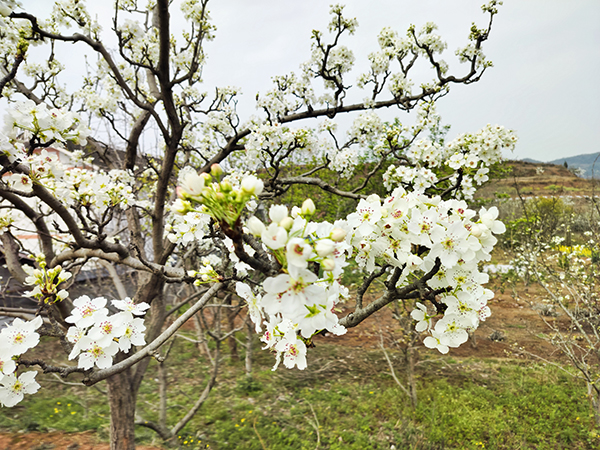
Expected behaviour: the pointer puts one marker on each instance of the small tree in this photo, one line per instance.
(181, 213)
(569, 272)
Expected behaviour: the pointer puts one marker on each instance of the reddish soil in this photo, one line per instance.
(516, 319)
(55, 441)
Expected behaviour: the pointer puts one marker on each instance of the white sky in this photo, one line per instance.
(546, 54)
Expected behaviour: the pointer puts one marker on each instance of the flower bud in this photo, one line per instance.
(181, 206)
(225, 186)
(287, 223)
(338, 234)
(324, 247)
(237, 197)
(476, 231)
(5, 10)
(255, 226)
(64, 276)
(252, 185)
(308, 207)
(191, 185)
(328, 264)
(277, 213)
(215, 170)
(295, 212)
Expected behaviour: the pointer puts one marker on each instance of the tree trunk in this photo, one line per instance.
(121, 398)
(409, 360)
(123, 387)
(231, 342)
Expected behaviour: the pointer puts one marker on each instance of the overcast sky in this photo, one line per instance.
(546, 55)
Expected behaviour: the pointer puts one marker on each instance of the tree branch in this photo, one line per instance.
(151, 348)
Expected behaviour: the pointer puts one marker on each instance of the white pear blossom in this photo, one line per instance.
(7, 365)
(13, 389)
(274, 236)
(253, 302)
(93, 353)
(20, 336)
(133, 334)
(293, 352)
(127, 304)
(87, 311)
(422, 317)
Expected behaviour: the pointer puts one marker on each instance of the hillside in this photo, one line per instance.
(583, 162)
(537, 179)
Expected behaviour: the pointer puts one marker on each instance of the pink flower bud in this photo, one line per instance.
(215, 170)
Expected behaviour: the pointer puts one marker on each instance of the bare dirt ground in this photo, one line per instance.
(56, 441)
(517, 320)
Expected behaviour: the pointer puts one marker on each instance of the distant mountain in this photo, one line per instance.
(529, 160)
(583, 162)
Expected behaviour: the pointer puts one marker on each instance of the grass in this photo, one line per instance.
(347, 400)
(58, 408)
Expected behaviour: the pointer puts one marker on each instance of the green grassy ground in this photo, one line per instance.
(346, 399)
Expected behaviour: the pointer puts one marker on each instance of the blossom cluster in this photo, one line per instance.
(291, 92)
(206, 273)
(16, 339)
(74, 186)
(298, 302)
(268, 140)
(468, 155)
(97, 336)
(412, 232)
(101, 94)
(46, 282)
(219, 199)
(45, 124)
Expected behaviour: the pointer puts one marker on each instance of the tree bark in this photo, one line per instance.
(122, 400)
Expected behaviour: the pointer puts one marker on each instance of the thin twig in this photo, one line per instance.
(258, 435)
(393, 373)
(315, 425)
